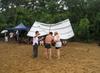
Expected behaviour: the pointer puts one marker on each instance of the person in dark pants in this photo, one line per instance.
(35, 44)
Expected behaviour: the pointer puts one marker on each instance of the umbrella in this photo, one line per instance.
(4, 31)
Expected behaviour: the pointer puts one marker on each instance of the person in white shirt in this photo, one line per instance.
(35, 44)
(17, 35)
(58, 43)
(11, 34)
(6, 37)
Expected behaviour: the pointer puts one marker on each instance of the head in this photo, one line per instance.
(37, 33)
(56, 33)
(50, 33)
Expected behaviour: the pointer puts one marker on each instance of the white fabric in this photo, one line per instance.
(4, 31)
(6, 38)
(57, 41)
(11, 34)
(56, 38)
(35, 40)
(58, 44)
(63, 27)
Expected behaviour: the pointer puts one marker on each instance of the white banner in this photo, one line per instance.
(64, 28)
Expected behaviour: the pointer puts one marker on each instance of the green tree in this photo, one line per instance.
(82, 13)
(83, 29)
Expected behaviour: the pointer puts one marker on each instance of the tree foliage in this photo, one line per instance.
(83, 14)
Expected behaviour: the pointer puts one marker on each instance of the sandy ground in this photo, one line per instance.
(75, 58)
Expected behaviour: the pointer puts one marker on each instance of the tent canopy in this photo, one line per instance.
(21, 26)
(64, 28)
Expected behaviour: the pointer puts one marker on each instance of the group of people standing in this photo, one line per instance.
(49, 39)
(11, 35)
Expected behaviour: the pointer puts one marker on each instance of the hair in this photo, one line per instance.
(50, 33)
(36, 32)
(56, 33)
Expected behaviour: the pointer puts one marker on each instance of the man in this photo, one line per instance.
(35, 44)
(48, 43)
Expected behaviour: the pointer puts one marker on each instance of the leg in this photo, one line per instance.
(35, 50)
(46, 50)
(46, 53)
(50, 53)
(58, 53)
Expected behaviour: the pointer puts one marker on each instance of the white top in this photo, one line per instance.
(35, 40)
(11, 34)
(57, 40)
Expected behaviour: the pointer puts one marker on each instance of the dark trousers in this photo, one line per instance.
(35, 50)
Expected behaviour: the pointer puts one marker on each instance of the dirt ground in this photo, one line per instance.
(75, 58)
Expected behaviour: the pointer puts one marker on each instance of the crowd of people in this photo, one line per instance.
(11, 36)
(48, 41)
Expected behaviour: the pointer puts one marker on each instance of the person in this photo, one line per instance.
(6, 37)
(17, 35)
(48, 42)
(58, 43)
(35, 44)
(11, 34)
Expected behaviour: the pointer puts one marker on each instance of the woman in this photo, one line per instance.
(58, 43)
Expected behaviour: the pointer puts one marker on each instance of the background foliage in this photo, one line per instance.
(83, 14)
